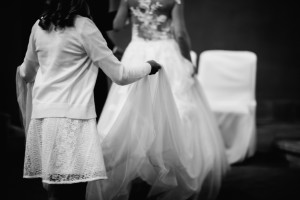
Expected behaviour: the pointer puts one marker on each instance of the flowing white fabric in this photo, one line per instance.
(239, 134)
(24, 99)
(159, 129)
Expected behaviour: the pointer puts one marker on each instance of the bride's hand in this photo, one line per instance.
(195, 71)
(194, 74)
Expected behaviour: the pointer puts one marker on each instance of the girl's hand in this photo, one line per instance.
(154, 66)
(195, 72)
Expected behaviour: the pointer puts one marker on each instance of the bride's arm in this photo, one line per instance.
(181, 33)
(121, 17)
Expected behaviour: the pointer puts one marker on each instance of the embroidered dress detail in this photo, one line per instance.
(148, 21)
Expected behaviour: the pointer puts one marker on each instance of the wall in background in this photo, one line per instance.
(268, 28)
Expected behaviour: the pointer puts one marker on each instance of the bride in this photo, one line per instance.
(159, 129)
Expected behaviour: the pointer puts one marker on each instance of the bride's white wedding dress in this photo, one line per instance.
(159, 129)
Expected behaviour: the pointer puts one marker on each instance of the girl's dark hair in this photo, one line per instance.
(61, 13)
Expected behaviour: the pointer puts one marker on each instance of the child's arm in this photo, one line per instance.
(28, 70)
(30, 65)
(102, 56)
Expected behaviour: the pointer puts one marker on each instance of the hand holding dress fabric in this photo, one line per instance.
(159, 129)
(154, 66)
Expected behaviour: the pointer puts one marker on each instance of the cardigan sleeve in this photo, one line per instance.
(96, 48)
(30, 64)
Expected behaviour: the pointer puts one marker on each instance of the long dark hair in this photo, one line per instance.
(61, 13)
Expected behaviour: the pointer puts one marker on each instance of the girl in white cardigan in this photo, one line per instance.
(64, 54)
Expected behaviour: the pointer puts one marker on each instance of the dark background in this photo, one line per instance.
(268, 28)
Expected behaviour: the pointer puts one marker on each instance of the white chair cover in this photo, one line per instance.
(228, 79)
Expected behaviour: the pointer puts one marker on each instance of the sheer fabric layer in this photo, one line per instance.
(159, 129)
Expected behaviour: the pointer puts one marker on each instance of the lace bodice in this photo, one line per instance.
(151, 19)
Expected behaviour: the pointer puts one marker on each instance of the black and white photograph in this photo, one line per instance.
(151, 100)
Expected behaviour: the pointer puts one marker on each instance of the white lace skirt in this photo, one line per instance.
(63, 150)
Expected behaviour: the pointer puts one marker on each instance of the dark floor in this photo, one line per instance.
(266, 176)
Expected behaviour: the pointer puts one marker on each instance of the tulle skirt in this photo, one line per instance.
(161, 130)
